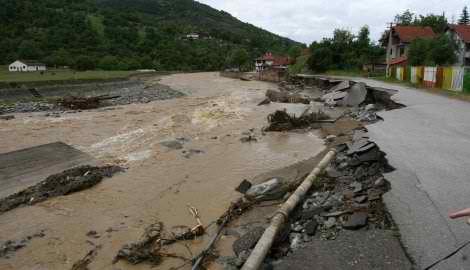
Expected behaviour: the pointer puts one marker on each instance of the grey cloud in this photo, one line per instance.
(309, 20)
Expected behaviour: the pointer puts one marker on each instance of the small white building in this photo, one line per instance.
(193, 36)
(26, 66)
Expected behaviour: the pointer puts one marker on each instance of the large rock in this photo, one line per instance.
(356, 221)
(248, 240)
(270, 190)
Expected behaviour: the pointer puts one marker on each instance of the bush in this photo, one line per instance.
(108, 63)
(321, 60)
(85, 63)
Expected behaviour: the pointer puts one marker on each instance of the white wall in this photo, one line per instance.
(18, 66)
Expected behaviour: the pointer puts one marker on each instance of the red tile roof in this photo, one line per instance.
(267, 57)
(398, 60)
(281, 61)
(409, 33)
(463, 31)
(277, 60)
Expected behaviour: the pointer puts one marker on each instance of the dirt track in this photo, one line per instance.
(160, 181)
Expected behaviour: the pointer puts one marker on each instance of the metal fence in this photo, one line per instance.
(453, 78)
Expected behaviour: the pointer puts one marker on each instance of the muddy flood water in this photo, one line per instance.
(178, 152)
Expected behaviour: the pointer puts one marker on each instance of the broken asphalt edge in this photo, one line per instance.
(263, 246)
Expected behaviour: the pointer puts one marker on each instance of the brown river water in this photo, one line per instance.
(160, 181)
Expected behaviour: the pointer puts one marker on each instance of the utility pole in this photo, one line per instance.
(389, 45)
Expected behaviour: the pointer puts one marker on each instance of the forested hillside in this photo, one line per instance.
(127, 34)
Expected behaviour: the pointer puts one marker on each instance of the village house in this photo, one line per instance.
(460, 34)
(270, 61)
(26, 66)
(192, 36)
(398, 39)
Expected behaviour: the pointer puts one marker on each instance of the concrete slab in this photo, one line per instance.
(23, 168)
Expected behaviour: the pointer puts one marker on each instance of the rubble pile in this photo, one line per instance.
(83, 103)
(23, 107)
(282, 121)
(67, 182)
(284, 96)
(364, 101)
(349, 197)
(123, 93)
(345, 94)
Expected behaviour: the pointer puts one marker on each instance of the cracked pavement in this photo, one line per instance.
(428, 142)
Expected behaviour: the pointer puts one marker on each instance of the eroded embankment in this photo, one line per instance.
(48, 98)
(346, 201)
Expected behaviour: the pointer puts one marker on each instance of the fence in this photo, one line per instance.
(449, 78)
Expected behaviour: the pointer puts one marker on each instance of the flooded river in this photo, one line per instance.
(178, 152)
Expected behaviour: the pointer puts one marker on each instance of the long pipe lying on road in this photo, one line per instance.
(264, 244)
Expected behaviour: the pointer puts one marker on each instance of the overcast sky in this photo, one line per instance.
(309, 20)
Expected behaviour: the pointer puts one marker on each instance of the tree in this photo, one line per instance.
(418, 53)
(294, 52)
(239, 58)
(438, 23)
(443, 51)
(29, 50)
(464, 18)
(108, 63)
(363, 39)
(321, 59)
(406, 18)
(439, 51)
(84, 63)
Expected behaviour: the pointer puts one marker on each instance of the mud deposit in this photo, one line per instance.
(177, 152)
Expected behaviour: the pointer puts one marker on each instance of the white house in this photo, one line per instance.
(26, 66)
(461, 36)
(192, 36)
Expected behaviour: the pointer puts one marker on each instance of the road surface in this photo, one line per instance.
(428, 143)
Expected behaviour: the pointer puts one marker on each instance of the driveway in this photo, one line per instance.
(428, 143)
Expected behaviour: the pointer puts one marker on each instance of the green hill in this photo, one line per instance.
(127, 34)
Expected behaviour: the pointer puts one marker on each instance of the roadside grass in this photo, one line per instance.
(348, 73)
(60, 75)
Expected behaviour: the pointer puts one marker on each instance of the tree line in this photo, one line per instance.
(346, 50)
(128, 34)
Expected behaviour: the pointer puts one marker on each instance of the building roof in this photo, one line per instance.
(409, 33)
(31, 62)
(277, 60)
(398, 60)
(463, 31)
(281, 61)
(267, 57)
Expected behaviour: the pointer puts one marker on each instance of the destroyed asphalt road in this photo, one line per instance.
(428, 142)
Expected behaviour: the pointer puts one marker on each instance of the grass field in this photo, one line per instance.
(60, 75)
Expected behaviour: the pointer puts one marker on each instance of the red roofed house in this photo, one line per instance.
(461, 35)
(398, 40)
(270, 61)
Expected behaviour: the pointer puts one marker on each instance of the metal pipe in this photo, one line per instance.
(265, 243)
